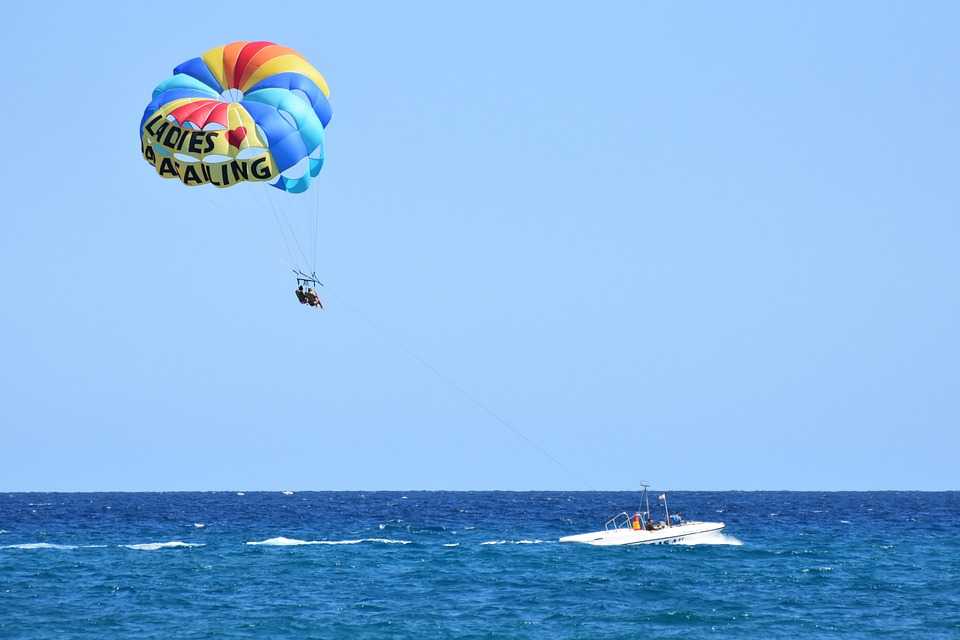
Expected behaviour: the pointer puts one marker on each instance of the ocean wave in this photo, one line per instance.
(280, 541)
(452, 544)
(155, 546)
(513, 542)
(48, 545)
(199, 525)
(387, 540)
(39, 545)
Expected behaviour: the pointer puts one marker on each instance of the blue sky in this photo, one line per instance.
(709, 246)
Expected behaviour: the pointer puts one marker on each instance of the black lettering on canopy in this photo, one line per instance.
(173, 137)
(149, 126)
(184, 136)
(260, 168)
(239, 169)
(167, 169)
(163, 127)
(196, 138)
(210, 174)
(149, 154)
(216, 174)
(190, 176)
(210, 138)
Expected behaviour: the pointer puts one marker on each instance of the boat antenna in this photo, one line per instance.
(646, 496)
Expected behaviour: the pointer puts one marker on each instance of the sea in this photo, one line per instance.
(248, 564)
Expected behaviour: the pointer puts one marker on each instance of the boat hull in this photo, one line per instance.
(679, 534)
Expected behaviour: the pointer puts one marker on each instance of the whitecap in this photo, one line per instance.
(154, 546)
(280, 541)
(241, 493)
(288, 493)
(513, 542)
(452, 544)
(39, 545)
(199, 525)
(817, 569)
(845, 521)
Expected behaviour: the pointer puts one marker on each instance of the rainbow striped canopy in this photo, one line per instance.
(246, 111)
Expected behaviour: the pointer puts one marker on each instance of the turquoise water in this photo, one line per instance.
(473, 565)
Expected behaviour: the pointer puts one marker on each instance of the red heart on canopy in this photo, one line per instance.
(236, 136)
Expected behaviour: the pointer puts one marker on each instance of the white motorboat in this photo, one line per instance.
(641, 528)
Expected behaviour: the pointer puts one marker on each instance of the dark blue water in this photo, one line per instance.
(473, 565)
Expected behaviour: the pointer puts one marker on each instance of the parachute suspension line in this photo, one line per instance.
(279, 215)
(475, 401)
(293, 233)
(316, 231)
(283, 235)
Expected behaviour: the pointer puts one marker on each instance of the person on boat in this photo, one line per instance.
(301, 296)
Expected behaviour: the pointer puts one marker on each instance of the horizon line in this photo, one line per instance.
(295, 491)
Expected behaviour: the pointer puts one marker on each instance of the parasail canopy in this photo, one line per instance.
(243, 112)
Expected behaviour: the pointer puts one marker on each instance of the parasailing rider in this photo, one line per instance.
(308, 297)
(312, 298)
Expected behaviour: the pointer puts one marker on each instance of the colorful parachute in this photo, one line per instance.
(246, 111)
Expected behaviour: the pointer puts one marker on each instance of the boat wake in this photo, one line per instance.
(713, 537)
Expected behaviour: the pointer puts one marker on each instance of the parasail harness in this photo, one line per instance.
(307, 280)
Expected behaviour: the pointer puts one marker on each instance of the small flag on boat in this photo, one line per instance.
(662, 496)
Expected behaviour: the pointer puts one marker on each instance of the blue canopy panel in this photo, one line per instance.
(295, 81)
(197, 68)
(293, 129)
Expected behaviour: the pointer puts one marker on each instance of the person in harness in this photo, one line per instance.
(312, 298)
(309, 296)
